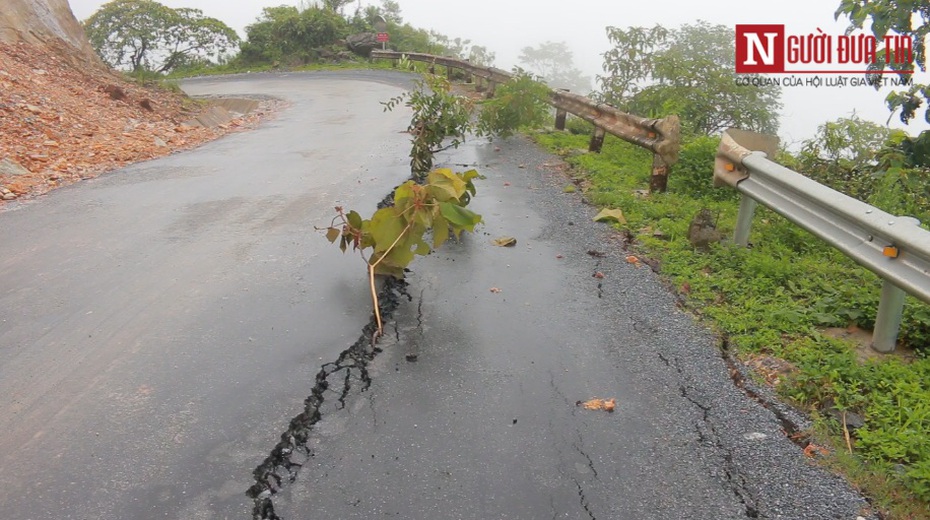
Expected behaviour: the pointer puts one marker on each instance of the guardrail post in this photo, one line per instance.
(658, 182)
(560, 119)
(560, 114)
(597, 140)
(888, 321)
(747, 208)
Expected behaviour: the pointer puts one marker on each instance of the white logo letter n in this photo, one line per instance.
(766, 50)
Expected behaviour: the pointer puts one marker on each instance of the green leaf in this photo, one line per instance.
(440, 231)
(423, 217)
(459, 217)
(400, 256)
(445, 185)
(385, 228)
(422, 249)
(332, 234)
(354, 219)
(402, 193)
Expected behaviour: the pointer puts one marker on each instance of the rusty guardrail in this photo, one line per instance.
(895, 248)
(660, 136)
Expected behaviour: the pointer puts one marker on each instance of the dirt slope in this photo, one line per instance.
(60, 123)
(49, 23)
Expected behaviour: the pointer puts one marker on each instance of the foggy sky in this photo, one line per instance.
(506, 27)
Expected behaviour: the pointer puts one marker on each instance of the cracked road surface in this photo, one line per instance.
(160, 325)
(193, 339)
(485, 424)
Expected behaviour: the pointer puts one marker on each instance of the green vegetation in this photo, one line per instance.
(286, 35)
(442, 119)
(149, 37)
(434, 200)
(687, 71)
(909, 18)
(396, 233)
(153, 41)
(777, 299)
(555, 63)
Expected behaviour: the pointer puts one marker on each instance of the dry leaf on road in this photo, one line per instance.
(606, 405)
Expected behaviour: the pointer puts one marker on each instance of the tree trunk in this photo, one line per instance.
(48, 23)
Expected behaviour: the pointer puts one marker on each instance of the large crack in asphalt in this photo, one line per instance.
(708, 434)
(287, 458)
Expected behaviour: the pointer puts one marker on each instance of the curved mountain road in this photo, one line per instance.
(161, 328)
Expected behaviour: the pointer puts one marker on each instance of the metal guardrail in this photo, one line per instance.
(895, 248)
(660, 136)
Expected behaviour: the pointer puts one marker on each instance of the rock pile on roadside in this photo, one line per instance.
(60, 124)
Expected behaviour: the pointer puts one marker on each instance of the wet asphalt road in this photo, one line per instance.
(159, 325)
(162, 326)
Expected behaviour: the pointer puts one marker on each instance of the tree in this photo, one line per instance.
(554, 62)
(454, 47)
(629, 63)
(843, 154)
(896, 16)
(285, 33)
(481, 56)
(335, 5)
(146, 35)
(390, 10)
(690, 72)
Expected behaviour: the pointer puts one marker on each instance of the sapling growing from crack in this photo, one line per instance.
(434, 201)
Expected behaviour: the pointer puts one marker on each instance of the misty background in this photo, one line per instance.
(507, 27)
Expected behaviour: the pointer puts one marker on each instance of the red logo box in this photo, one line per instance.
(760, 49)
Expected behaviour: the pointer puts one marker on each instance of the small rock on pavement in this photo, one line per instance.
(10, 167)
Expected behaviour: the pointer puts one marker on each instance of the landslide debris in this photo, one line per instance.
(61, 123)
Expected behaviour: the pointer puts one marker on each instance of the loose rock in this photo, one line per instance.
(12, 168)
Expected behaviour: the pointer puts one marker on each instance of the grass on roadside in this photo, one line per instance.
(775, 299)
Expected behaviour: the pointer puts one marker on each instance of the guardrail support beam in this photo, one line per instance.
(888, 321)
(597, 140)
(747, 208)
